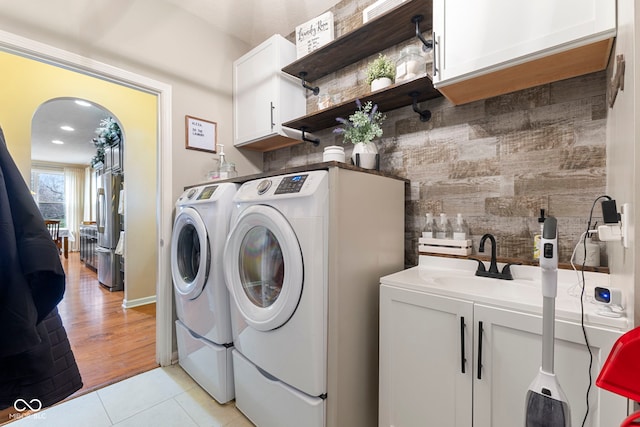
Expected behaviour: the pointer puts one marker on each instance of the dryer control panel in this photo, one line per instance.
(291, 184)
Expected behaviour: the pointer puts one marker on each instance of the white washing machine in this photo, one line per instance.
(306, 355)
(203, 328)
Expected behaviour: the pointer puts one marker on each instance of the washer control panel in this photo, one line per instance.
(207, 192)
(291, 184)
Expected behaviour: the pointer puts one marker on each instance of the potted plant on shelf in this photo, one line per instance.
(361, 128)
(381, 73)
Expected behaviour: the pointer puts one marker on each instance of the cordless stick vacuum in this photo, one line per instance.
(547, 405)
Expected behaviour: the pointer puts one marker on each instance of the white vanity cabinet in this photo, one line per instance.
(264, 97)
(452, 362)
(486, 48)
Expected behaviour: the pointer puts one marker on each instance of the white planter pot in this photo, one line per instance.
(380, 83)
(367, 152)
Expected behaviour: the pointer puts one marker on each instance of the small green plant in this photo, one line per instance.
(108, 134)
(381, 67)
(362, 126)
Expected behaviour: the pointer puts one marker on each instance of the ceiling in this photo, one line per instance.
(77, 147)
(251, 21)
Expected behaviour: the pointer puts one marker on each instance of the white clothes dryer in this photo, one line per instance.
(276, 270)
(203, 328)
(302, 263)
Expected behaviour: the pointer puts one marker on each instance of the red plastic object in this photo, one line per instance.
(631, 420)
(621, 372)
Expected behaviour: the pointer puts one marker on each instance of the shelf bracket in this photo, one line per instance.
(315, 90)
(425, 115)
(315, 141)
(428, 44)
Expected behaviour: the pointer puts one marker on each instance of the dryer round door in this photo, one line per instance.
(263, 267)
(190, 254)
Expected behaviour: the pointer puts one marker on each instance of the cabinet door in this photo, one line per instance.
(475, 37)
(424, 343)
(512, 353)
(255, 91)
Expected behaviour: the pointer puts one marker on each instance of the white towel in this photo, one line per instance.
(121, 203)
(120, 246)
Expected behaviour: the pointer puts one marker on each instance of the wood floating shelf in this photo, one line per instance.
(386, 30)
(389, 98)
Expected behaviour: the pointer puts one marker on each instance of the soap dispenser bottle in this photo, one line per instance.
(227, 169)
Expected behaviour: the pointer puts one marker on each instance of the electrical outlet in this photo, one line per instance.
(624, 220)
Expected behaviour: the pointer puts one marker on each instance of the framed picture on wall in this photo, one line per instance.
(200, 134)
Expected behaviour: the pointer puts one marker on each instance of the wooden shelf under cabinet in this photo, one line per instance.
(389, 98)
(382, 32)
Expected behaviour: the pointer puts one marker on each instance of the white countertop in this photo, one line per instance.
(456, 278)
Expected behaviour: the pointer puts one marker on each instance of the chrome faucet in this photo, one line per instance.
(505, 274)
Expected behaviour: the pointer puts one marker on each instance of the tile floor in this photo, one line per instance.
(163, 397)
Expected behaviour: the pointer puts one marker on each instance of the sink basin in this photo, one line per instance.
(488, 286)
(480, 281)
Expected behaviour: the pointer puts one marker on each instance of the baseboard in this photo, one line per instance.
(138, 302)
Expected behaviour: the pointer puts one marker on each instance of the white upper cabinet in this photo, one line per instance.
(264, 97)
(489, 47)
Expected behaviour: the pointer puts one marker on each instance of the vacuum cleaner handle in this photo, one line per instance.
(549, 257)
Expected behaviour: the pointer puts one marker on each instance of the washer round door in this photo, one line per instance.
(190, 254)
(263, 267)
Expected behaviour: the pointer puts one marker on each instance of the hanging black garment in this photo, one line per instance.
(32, 283)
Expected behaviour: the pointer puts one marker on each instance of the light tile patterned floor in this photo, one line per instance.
(163, 397)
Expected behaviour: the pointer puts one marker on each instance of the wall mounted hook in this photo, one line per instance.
(314, 141)
(428, 44)
(315, 90)
(425, 115)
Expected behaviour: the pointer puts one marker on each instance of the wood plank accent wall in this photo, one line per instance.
(495, 161)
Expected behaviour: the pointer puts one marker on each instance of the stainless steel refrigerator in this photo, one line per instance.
(108, 224)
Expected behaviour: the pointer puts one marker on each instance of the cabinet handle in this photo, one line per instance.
(272, 122)
(435, 54)
(480, 350)
(463, 360)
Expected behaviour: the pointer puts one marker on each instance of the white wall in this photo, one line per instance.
(623, 157)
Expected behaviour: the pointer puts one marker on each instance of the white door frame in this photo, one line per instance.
(45, 53)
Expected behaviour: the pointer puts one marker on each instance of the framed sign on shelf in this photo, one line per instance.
(200, 134)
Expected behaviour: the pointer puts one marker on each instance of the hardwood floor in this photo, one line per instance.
(110, 343)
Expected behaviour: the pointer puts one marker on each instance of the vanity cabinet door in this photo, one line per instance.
(425, 359)
(511, 358)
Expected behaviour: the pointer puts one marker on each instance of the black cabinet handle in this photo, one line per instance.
(480, 350)
(463, 361)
